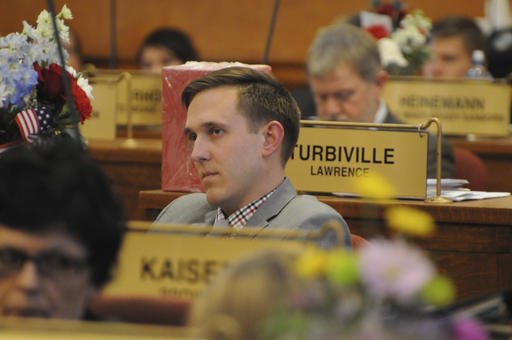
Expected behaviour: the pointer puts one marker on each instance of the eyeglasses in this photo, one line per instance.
(339, 96)
(50, 264)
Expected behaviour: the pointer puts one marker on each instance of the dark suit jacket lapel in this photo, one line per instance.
(392, 119)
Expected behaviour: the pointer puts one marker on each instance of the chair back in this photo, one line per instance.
(358, 241)
(469, 166)
(141, 309)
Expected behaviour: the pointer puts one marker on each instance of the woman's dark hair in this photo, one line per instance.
(57, 185)
(175, 40)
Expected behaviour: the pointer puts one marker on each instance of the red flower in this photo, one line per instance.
(49, 87)
(82, 102)
(386, 9)
(377, 31)
(396, 14)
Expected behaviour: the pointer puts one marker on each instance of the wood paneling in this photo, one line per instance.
(221, 29)
(130, 167)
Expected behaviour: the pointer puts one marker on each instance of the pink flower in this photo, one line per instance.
(468, 329)
(393, 269)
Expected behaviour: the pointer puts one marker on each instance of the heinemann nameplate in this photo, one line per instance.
(463, 106)
(328, 159)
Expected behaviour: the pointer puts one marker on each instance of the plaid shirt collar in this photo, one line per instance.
(239, 218)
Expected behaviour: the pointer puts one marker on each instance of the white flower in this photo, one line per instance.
(418, 20)
(4, 93)
(84, 85)
(44, 25)
(390, 53)
(44, 29)
(409, 38)
(65, 13)
(63, 31)
(72, 71)
(81, 81)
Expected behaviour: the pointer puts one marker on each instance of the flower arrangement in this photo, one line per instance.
(32, 94)
(411, 37)
(384, 290)
(404, 50)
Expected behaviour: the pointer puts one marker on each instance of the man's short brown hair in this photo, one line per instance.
(261, 99)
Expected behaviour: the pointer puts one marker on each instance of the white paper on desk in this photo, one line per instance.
(447, 182)
(466, 195)
(451, 188)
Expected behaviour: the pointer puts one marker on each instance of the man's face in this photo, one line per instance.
(43, 275)
(226, 153)
(449, 58)
(344, 96)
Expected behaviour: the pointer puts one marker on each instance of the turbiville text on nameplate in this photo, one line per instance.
(333, 159)
(139, 97)
(163, 264)
(102, 124)
(479, 107)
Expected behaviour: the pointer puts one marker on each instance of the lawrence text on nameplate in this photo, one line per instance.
(102, 124)
(334, 159)
(161, 264)
(479, 107)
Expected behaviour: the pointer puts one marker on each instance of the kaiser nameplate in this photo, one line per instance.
(463, 106)
(163, 264)
(333, 159)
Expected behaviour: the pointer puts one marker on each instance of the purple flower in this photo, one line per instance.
(393, 269)
(468, 329)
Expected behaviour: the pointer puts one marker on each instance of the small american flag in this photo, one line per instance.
(28, 123)
(32, 122)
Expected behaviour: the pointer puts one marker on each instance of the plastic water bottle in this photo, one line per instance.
(478, 70)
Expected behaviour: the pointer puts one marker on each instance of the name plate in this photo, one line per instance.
(143, 93)
(102, 124)
(161, 264)
(333, 159)
(139, 97)
(463, 106)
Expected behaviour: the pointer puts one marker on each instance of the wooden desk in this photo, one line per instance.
(130, 168)
(496, 153)
(473, 244)
(140, 132)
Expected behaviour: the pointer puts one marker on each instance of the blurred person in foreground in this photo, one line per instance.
(242, 126)
(282, 294)
(164, 47)
(453, 40)
(60, 230)
(347, 81)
